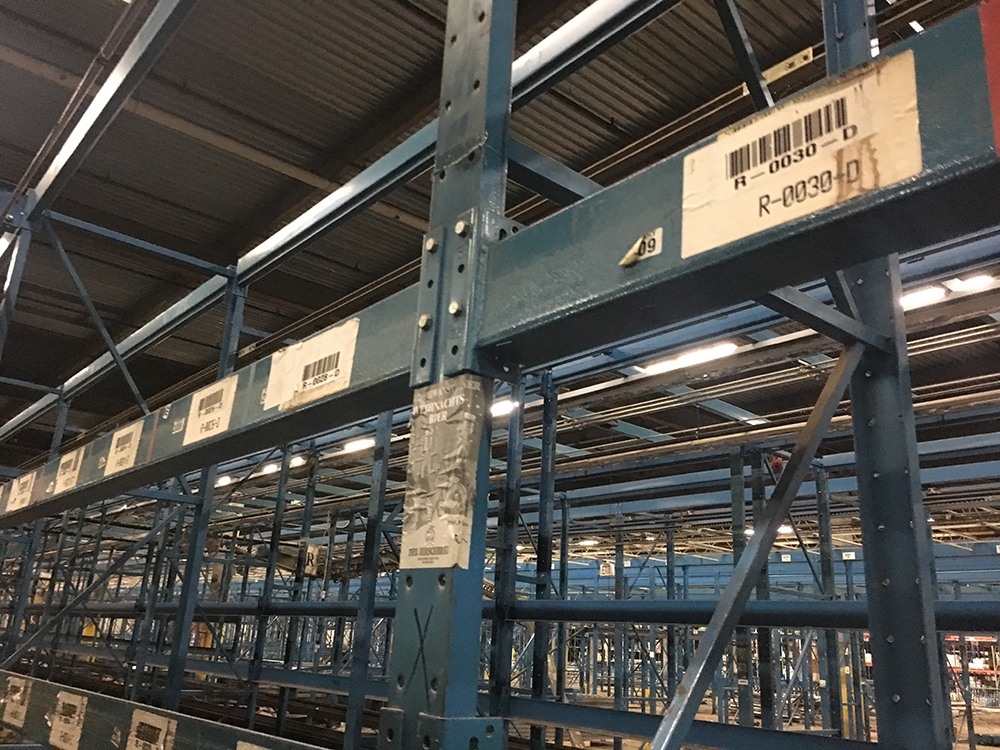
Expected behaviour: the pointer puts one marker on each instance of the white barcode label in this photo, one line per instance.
(313, 368)
(847, 139)
(15, 703)
(786, 139)
(211, 409)
(123, 450)
(69, 471)
(20, 491)
(150, 731)
(67, 720)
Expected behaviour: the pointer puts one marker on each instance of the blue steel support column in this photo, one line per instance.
(543, 565)
(744, 690)
(433, 682)
(235, 299)
(671, 583)
(765, 647)
(563, 594)
(829, 648)
(361, 650)
(267, 592)
(899, 564)
(966, 684)
(620, 660)
(27, 575)
(506, 563)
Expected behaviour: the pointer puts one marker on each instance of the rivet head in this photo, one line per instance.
(891, 639)
(461, 228)
(430, 244)
(881, 527)
(455, 308)
(885, 581)
(895, 698)
(871, 422)
(424, 321)
(876, 475)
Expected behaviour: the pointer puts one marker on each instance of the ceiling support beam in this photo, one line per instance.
(138, 58)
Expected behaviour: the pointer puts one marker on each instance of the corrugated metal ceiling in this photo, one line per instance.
(322, 86)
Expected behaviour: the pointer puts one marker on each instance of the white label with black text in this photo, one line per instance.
(69, 471)
(847, 139)
(650, 244)
(124, 446)
(151, 731)
(15, 704)
(211, 409)
(20, 491)
(313, 368)
(67, 720)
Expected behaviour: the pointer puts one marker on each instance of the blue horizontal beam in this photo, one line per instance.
(556, 290)
(571, 46)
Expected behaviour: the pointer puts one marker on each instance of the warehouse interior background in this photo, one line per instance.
(640, 470)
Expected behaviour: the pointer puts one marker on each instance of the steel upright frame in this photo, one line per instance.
(478, 315)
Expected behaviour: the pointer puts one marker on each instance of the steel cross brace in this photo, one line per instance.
(715, 640)
(90, 588)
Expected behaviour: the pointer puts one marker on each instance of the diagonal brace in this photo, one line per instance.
(94, 316)
(677, 721)
(97, 582)
(746, 60)
(798, 305)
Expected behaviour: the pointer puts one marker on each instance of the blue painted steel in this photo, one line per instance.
(573, 45)
(138, 58)
(361, 649)
(166, 252)
(546, 176)
(899, 564)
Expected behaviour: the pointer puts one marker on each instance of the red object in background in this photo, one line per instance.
(777, 464)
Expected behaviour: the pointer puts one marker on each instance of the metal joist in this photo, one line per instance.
(569, 48)
(595, 302)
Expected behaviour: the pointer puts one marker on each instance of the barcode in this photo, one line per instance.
(147, 733)
(211, 402)
(315, 372)
(782, 140)
(123, 443)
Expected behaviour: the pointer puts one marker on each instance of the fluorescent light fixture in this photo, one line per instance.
(748, 532)
(269, 468)
(786, 528)
(915, 25)
(520, 548)
(361, 444)
(503, 407)
(297, 461)
(650, 538)
(588, 543)
(930, 520)
(690, 358)
(922, 297)
(224, 481)
(874, 47)
(978, 283)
